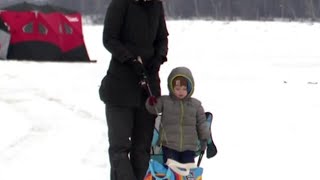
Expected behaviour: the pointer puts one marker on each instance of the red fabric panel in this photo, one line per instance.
(75, 39)
(16, 21)
(55, 22)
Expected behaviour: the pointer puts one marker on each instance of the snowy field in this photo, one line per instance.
(261, 81)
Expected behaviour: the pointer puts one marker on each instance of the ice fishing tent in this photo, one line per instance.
(4, 40)
(44, 32)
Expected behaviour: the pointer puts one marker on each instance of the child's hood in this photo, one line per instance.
(184, 72)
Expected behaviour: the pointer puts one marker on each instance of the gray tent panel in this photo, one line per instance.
(4, 44)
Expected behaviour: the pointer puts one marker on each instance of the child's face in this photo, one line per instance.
(180, 91)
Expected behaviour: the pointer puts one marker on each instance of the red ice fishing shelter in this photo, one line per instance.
(44, 32)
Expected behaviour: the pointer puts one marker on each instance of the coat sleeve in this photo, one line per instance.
(202, 125)
(161, 41)
(113, 24)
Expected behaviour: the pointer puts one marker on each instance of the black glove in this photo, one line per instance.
(155, 63)
(137, 67)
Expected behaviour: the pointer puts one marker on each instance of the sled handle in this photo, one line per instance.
(179, 168)
(200, 158)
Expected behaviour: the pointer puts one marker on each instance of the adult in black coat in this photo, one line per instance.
(132, 28)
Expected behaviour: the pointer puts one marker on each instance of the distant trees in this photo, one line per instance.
(213, 9)
(85, 6)
(244, 9)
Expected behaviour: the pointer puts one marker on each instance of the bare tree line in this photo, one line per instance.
(208, 9)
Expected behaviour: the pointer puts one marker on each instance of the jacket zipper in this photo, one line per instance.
(181, 122)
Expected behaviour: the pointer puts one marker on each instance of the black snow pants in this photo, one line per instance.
(130, 132)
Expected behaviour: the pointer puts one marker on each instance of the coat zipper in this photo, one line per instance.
(181, 122)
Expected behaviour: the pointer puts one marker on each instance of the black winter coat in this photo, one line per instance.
(132, 29)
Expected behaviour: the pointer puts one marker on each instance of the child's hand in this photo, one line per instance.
(152, 100)
(203, 145)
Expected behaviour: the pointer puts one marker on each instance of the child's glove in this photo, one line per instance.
(152, 100)
(203, 144)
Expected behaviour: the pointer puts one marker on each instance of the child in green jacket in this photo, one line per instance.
(183, 120)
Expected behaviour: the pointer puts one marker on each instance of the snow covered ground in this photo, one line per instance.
(261, 81)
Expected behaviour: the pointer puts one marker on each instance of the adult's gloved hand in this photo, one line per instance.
(203, 145)
(152, 100)
(137, 66)
(155, 63)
